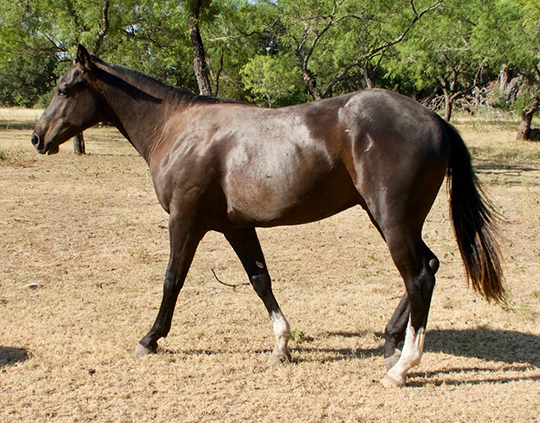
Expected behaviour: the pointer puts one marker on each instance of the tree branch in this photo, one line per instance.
(228, 284)
(380, 49)
(401, 37)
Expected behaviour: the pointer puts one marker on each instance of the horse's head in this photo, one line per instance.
(74, 107)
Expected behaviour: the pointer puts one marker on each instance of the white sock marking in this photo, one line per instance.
(411, 354)
(282, 331)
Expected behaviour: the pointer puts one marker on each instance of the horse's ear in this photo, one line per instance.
(84, 59)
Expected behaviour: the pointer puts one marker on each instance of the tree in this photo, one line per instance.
(509, 35)
(332, 38)
(531, 21)
(442, 54)
(525, 126)
(47, 29)
(273, 80)
(131, 32)
(26, 78)
(27, 62)
(280, 52)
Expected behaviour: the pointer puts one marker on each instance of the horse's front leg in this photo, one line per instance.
(248, 249)
(183, 243)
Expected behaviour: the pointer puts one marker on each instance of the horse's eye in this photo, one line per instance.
(62, 92)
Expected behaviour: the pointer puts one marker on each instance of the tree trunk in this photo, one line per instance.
(505, 76)
(449, 100)
(524, 129)
(508, 84)
(448, 104)
(311, 84)
(78, 144)
(104, 26)
(199, 57)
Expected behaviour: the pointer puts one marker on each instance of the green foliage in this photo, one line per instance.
(441, 50)
(273, 81)
(525, 98)
(275, 52)
(25, 79)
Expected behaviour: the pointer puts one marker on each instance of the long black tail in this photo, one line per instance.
(474, 221)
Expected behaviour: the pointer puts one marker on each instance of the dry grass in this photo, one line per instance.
(88, 230)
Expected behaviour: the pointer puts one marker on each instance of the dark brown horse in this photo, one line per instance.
(231, 167)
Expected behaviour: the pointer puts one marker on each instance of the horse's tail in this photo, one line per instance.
(474, 220)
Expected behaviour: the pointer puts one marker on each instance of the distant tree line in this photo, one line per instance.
(475, 54)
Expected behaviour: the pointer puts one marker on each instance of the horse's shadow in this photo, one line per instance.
(12, 355)
(516, 349)
(520, 353)
(504, 346)
(492, 345)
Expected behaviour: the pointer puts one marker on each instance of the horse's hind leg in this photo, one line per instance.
(394, 333)
(417, 265)
(246, 245)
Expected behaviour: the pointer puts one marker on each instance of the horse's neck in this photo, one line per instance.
(137, 111)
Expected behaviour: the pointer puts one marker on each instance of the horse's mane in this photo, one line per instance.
(161, 88)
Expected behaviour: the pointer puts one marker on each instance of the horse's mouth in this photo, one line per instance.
(45, 148)
(51, 149)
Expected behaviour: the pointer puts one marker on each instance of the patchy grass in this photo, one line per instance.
(89, 232)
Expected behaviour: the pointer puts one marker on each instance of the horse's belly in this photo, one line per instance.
(274, 201)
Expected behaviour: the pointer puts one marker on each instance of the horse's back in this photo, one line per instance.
(307, 162)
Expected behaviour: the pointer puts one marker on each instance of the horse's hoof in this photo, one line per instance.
(277, 359)
(392, 360)
(141, 351)
(390, 381)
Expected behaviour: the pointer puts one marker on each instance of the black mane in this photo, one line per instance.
(163, 89)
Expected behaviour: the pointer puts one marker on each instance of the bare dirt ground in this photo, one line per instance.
(89, 236)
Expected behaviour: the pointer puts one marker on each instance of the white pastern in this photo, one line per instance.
(283, 334)
(410, 357)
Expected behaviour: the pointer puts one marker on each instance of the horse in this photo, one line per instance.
(229, 167)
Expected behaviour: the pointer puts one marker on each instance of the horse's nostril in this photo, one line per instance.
(35, 140)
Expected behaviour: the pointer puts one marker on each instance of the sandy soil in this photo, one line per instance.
(84, 248)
